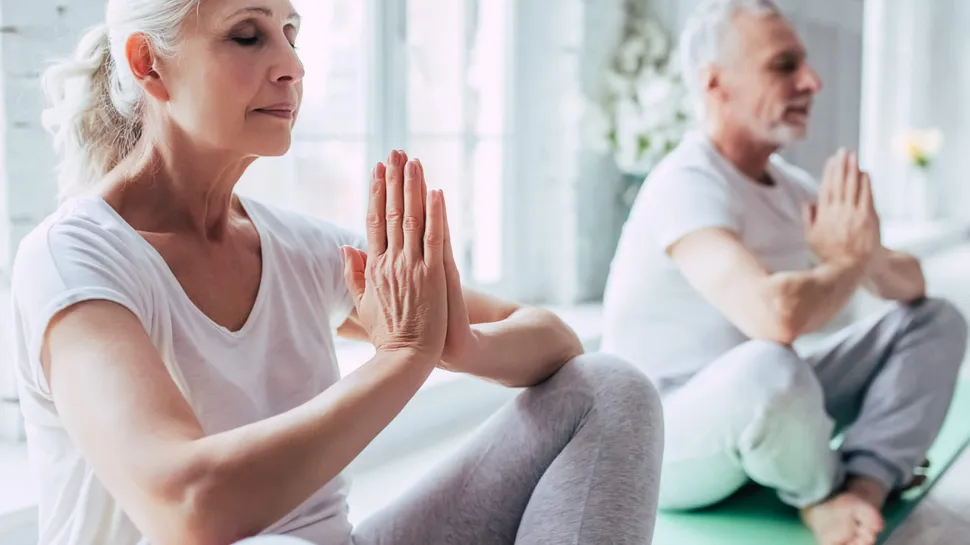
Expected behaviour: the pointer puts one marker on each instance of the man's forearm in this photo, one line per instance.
(895, 276)
(806, 300)
(522, 350)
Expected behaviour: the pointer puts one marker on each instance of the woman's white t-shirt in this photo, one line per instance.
(282, 357)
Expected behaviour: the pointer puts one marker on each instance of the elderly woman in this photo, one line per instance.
(174, 339)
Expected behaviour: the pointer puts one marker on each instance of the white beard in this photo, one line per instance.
(785, 135)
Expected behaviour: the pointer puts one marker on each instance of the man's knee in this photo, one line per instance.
(948, 319)
(947, 325)
(770, 375)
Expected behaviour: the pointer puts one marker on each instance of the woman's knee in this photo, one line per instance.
(614, 384)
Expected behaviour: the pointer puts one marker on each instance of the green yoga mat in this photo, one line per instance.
(754, 516)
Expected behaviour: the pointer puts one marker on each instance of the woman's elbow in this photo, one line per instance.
(191, 507)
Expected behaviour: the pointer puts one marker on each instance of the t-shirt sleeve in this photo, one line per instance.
(681, 201)
(338, 300)
(61, 266)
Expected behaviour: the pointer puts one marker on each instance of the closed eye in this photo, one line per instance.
(247, 41)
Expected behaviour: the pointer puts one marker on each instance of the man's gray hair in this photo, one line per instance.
(703, 37)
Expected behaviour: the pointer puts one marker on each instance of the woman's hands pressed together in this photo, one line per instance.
(410, 301)
(399, 286)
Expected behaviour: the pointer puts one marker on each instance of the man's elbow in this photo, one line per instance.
(783, 330)
(782, 323)
(777, 328)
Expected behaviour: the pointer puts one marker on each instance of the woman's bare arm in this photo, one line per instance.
(179, 486)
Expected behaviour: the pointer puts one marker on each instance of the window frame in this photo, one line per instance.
(387, 123)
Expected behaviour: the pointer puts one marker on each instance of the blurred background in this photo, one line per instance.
(540, 120)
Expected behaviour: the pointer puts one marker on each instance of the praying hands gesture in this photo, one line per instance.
(844, 226)
(408, 294)
(406, 287)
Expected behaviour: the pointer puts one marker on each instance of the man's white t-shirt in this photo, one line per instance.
(282, 357)
(653, 316)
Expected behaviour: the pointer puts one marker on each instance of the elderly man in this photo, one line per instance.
(731, 254)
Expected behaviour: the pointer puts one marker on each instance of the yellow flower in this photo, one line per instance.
(919, 147)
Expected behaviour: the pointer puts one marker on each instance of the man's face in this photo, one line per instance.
(763, 84)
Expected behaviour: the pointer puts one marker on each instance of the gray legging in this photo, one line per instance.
(574, 460)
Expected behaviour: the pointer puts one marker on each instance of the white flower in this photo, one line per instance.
(656, 91)
(659, 43)
(646, 105)
(630, 53)
(919, 147)
(618, 84)
(931, 141)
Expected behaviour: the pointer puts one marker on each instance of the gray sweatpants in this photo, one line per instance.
(574, 460)
(763, 412)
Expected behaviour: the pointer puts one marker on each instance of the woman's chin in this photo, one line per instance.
(273, 146)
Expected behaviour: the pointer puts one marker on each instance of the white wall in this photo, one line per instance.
(33, 33)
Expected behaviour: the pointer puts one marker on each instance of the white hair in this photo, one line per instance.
(702, 40)
(95, 104)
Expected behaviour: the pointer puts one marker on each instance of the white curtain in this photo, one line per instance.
(917, 76)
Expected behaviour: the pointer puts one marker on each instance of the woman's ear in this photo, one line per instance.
(141, 61)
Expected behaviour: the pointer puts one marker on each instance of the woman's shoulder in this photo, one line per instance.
(86, 224)
(82, 245)
(80, 252)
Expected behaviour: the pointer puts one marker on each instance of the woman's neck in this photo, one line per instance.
(167, 189)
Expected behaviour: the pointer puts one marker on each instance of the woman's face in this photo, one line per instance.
(236, 82)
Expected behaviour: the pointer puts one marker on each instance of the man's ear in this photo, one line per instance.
(142, 61)
(711, 81)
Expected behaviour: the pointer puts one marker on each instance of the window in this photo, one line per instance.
(426, 76)
(456, 82)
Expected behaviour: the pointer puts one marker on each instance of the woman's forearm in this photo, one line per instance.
(241, 481)
(522, 350)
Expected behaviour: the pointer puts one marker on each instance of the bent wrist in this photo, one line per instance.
(407, 356)
(468, 352)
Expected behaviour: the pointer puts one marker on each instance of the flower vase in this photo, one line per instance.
(921, 196)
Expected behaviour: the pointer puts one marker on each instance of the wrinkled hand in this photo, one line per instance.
(399, 285)
(460, 341)
(843, 226)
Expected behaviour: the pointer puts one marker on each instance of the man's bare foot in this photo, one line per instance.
(851, 517)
